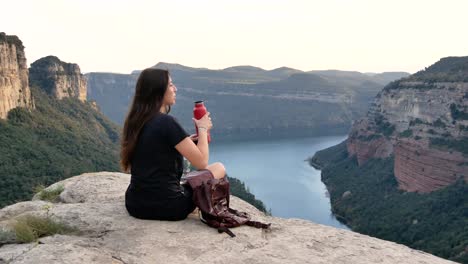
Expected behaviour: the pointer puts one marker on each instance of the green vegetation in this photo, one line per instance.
(59, 139)
(400, 85)
(29, 228)
(434, 222)
(458, 114)
(439, 123)
(394, 85)
(406, 133)
(49, 195)
(383, 126)
(11, 40)
(329, 156)
(416, 122)
(460, 145)
(370, 137)
(449, 69)
(239, 189)
(462, 127)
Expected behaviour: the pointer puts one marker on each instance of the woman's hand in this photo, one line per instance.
(205, 121)
(198, 154)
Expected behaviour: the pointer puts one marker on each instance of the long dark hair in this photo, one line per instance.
(147, 101)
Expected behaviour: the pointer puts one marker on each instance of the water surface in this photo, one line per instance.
(277, 173)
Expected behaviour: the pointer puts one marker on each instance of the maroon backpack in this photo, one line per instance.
(211, 196)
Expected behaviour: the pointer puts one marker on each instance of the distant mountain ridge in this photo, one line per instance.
(250, 102)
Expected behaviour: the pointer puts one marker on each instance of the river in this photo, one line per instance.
(277, 173)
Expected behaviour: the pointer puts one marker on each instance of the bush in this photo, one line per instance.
(439, 123)
(416, 122)
(460, 145)
(384, 127)
(463, 128)
(457, 114)
(406, 133)
(29, 228)
(49, 195)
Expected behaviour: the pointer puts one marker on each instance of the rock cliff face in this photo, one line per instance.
(423, 169)
(94, 204)
(58, 78)
(423, 121)
(14, 87)
(365, 144)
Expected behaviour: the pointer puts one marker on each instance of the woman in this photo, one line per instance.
(153, 144)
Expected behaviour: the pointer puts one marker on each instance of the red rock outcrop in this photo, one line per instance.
(403, 120)
(365, 144)
(419, 168)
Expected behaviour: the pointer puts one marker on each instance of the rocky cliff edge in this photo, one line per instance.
(94, 204)
(423, 121)
(59, 79)
(14, 86)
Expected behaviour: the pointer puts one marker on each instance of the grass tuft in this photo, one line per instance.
(49, 195)
(29, 228)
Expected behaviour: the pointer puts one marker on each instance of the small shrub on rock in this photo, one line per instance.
(29, 228)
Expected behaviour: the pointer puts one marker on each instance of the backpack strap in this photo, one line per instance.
(223, 229)
(258, 224)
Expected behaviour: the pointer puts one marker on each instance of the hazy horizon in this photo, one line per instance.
(123, 35)
(232, 66)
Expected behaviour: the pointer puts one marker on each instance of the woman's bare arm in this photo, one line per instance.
(199, 154)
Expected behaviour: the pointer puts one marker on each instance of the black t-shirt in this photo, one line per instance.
(156, 166)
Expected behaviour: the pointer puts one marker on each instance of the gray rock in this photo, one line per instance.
(346, 194)
(94, 203)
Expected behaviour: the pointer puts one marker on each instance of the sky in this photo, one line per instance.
(125, 35)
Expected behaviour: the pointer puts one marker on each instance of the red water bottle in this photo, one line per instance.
(198, 112)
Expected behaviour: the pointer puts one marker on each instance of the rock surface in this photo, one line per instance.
(403, 120)
(94, 203)
(14, 84)
(58, 78)
(365, 144)
(423, 169)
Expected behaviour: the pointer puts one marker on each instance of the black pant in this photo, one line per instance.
(170, 209)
